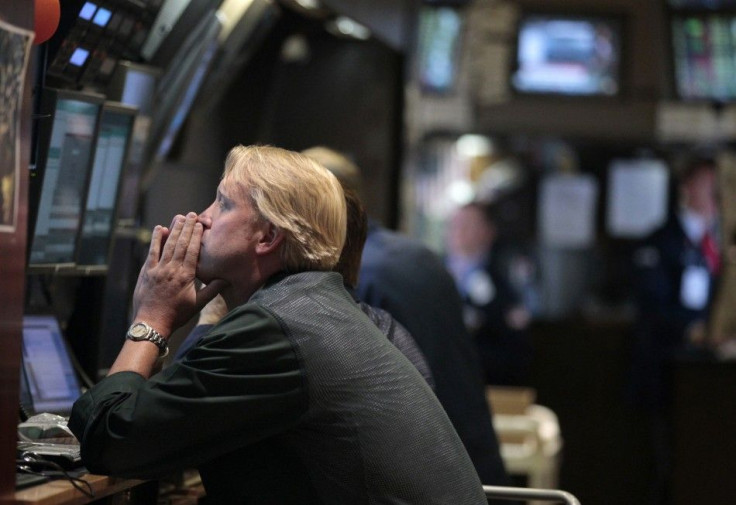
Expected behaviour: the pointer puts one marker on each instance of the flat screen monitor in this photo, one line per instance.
(438, 48)
(111, 148)
(701, 4)
(47, 369)
(65, 150)
(703, 48)
(568, 55)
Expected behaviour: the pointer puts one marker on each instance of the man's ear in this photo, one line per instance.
(270, 240)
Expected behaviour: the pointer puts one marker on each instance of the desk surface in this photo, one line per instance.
(62, 492)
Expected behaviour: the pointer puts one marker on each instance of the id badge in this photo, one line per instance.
(695, 287)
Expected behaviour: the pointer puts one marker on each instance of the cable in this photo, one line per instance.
(57, 472)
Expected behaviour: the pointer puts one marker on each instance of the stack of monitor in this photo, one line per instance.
(80, 155)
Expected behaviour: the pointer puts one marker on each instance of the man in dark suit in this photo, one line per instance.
(493, 312)
(676, 268)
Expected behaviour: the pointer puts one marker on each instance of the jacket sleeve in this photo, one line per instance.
(241, 383)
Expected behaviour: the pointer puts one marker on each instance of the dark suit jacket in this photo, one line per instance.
(660, 262)
(404, 277)
(505, 352)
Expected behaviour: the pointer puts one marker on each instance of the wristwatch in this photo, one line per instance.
(141, 331)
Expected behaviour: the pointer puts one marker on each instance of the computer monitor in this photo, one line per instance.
(111, 148)
(703, 47)
(438, 48)
(568, 54)
(63, 161)
(702, 4)
(48, 372)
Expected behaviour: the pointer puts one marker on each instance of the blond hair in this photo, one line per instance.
(297, 195)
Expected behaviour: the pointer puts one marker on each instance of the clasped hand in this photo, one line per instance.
(166, 294)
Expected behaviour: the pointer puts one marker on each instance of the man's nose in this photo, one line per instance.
(204, 218)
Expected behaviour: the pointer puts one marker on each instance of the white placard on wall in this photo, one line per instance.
(637, 197)
(567, 210)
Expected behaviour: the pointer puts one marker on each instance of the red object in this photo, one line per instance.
(711, 253)
(46, 19)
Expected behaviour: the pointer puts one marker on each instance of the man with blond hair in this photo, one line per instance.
(294, 396)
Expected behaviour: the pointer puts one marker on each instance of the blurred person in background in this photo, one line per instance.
(676, 271)
(493, 313)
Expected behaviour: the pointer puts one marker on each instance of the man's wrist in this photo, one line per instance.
(141, 331)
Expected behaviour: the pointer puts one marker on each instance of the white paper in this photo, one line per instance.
(567, 210)
(637, 197)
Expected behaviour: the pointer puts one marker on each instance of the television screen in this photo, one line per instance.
(438, 47)
(568, 55)
(65, 149)
(704, 63)
(98, 228)
(702, 4)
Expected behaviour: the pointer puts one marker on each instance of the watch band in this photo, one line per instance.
(141, 331)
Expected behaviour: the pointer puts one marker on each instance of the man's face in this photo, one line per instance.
(701, 193)
(470, 233)
(231, 231)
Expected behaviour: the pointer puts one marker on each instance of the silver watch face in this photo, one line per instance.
(138, 330)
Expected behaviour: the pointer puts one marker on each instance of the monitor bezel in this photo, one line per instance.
(50, 98)
(132, 112)
(617, 20)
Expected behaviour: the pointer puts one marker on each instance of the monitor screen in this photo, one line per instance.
(702, 4)
(113, 139)
(704, 63)
(65, 149)
(568, 55)
(52, 383)
(438, 48)
(102, 17)
(87, 11)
